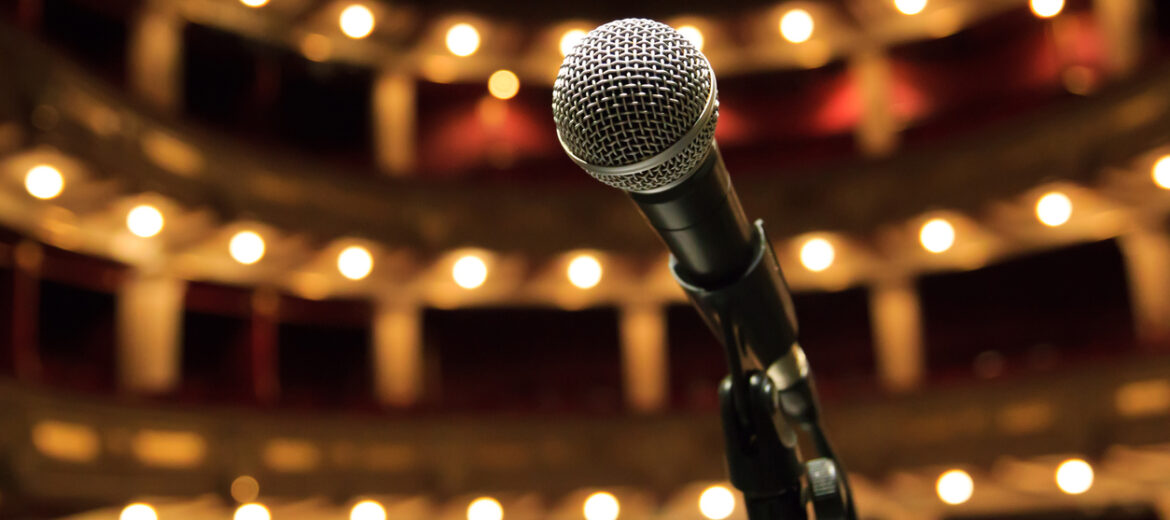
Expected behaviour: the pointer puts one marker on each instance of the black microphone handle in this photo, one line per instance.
(703, 225)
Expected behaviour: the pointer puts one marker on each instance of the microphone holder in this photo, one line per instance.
(761, 400)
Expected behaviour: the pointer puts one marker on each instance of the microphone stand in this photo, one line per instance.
(760, 400)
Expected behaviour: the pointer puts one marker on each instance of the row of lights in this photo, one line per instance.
(1053, 209)
(584, 271)
(715, 503)
(1073, 477)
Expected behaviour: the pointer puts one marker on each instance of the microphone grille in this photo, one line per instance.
(627, 92)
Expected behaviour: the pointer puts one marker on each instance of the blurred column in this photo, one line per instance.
(394, 122)
(877, 132)
(398, 361)
(155, 61)
(1147, 260)
(644, 363)
(1121, 27)
(150, 314)
(26, 291)
(262, 344)
(896, 317)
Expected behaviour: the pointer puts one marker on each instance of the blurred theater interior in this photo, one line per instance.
(325, 259)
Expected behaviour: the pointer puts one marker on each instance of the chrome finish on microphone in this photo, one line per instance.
(635, 105)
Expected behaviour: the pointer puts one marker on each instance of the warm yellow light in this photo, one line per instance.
(937, 235)
(955, 487)
(357, 21)
(503, 84)
(144, 220)
(462, 39)
(796, 26)
(138, 512)
(1053, 209)
(601, 506)
(1161, 172)
(367, 510)
(1074, 476)
(316, 47)
(1047, 8)
(570, 39)
(817, 254)
(44, 182)
(355, 262)
(469, 272)
(252, 512)
(254, 3)
(716, 503)
(246, 247)
(485, 508)
(910, 7)
(245, 489)
(584, 271)
(693, 34)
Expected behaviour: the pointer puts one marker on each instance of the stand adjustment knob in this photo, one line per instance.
(826, 489)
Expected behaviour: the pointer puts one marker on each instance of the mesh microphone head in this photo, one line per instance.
(635, 105)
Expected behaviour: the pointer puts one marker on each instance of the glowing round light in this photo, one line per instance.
(485, 508)
(910, 7)
(955, 487)
(937, 235)
(716, 503)
(503, 84)
(1074, 476)
(367, 510)
(252, 512)
(355, 262)
(462, 39)
(246, 247)
(356, 21)
(817, 254)
(796, 26)
(469, 272)
(601, 506)
(245, 489)
(570, 39)
(44, 182)
(1047, 8)
(584, 271)
(254, 3)
(316, 47)
(1161, 172)
(1054, 209)
(144, 220)
(693, 34)
(138, 512)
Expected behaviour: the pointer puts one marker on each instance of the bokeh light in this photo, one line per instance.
(357, 21)
(355, 262)
(367, 510)
(469, 272)
(584, 271)
(1046, 8)
(716, 503)
(254, 3)
(246, 247)
(570, 39)
(796, 26)
(937, 235)
(245, 488)
(1074, 476)
(44, 182)
(503, 84)
(138, 511)
(462, 39)
(252, 512)
(601, 506)
(144, 221)
(1161, 172)
(485, 508)
(817, 254)
(910, 7)
(1054, 209)
(955, 487)
(316, 47)
(693, 34)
